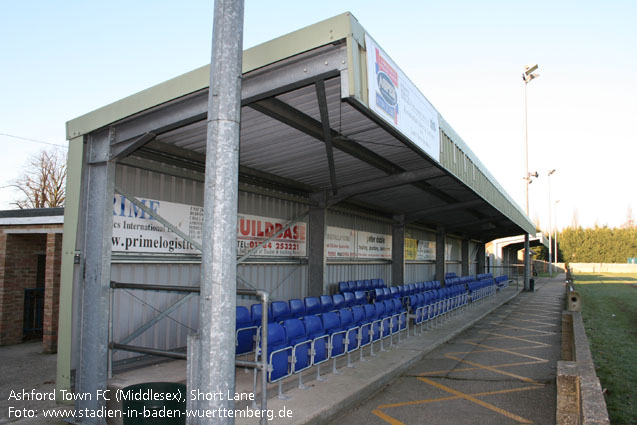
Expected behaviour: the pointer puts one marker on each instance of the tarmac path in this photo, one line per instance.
(500, 371)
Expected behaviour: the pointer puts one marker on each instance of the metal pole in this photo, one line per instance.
(550, 230)
(526, 155)
(527, 265)
(219, 255)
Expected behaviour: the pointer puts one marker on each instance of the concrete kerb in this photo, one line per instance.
(359, 389)
(579, 392)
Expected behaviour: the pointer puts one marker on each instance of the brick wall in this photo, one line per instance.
(52, 292)
(18, 271)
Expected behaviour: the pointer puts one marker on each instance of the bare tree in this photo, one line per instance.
(43, 184)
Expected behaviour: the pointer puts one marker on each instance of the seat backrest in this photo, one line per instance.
(380, 308)
(297, 308)
(358, 313)
(401, 291)
(386, 293)
(280, 311)
(389, 306)
(351, 285)
(414, 301)
(312, 305)
(255, 313)
(397, 305)
(347, 319)
(375, 283)
(313, 326)
(331, 322)
(326, 303)
(295, 331)
(393, 291)
(360, 285)
(368, 285)
(349, 299)
(243, 317)
(379, 294)
(370, 311)
(342, 287)
(381, 282)
(338, 301)
(276, 336)
(360, 297)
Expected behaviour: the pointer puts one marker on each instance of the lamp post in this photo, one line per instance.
(555, 239)
(550, 228)
(527, 76)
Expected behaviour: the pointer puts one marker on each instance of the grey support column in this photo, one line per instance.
(398, 252)
(217, 300)
(527, 263)
(94, 315)
(481, 259)
(440, 255)
(465, 257)
(317, 264)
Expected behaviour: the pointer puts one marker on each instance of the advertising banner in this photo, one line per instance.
(397, 100)
(254, 229)
(135, 231)
(373, 246)
(420, 250)
(340, 243)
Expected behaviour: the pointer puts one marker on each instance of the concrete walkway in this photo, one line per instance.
(501, 371)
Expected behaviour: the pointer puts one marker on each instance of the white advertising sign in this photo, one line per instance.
(340, 243)
(373, 245)
(253, 229)
(136, 231)
(426, 250)
(397, 100)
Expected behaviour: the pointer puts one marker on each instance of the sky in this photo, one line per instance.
(60, 60)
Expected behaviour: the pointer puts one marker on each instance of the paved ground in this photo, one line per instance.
(501, 371)
(23, 366)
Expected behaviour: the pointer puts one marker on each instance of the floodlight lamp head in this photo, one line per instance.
(551, 171)
(528, 69)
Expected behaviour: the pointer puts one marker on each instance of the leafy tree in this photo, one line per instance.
(43, 184)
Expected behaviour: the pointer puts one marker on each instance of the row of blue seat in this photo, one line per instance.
(295, 345)
(453, 281)
(279, 311)
(360, 285)
(433, 304)
(482, 288)
(402, 291)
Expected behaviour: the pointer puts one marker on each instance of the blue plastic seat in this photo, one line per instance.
(301, 344)
(348, 324)
(326, 303)
(255, 314)
(278, 353)
(375, 283)
(351, 285)
(245, 331)
(386, 293)
(332, 325)
(393, 292)
(297, 308)
(372, 317)
(360, 297)
(378, 295)
(338, 301)
(381, 282)
(320, 340)
(360, 285)
(312, 305)
(342, 287)
(368, 285)
(280, 311)
(350, 299)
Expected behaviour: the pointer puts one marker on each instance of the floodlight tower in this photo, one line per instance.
(527, 76)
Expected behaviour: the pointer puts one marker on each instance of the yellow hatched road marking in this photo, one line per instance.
(465, 369)
(455, 397)
(477, 401)
(527, 329)
(517, 338)
(387, 418)
(493, 369)
(503, 350)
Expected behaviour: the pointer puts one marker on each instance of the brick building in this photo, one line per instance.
(30, 260)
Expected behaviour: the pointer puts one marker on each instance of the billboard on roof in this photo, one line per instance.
(398, 101)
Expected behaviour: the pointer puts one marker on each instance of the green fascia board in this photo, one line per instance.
(344, 26)
(505, 204)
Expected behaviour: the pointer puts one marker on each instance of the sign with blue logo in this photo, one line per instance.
(397, 100)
